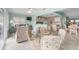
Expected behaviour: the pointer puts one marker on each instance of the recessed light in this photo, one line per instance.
(29, 11)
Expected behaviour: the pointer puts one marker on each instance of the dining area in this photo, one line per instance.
(51, 31)
(44, 38)
(47, 34)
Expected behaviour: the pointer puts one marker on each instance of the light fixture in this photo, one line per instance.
(29, 11)
(71, 20)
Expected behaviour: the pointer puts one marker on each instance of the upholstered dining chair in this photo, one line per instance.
(73, 29)
(62, 33)
(50, 42)
(21, 34)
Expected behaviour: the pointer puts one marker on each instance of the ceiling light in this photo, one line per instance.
(29, 11)
(71, 20)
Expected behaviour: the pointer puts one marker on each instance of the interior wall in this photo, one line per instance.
(17, 20)
(33, 22)
(23, 20)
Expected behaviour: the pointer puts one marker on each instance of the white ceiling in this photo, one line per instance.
(35, 11)
(50, 14)
(72, 12)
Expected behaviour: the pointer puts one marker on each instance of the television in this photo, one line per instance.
(29, 18)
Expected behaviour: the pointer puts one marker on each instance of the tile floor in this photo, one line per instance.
(11, 44)
(69, 43)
